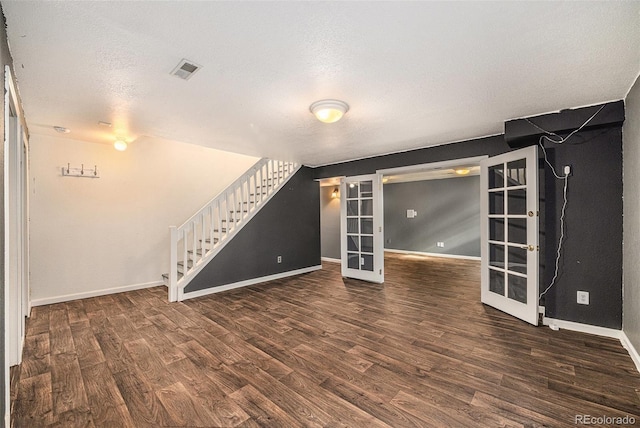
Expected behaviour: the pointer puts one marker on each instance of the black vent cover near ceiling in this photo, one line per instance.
(520, 132)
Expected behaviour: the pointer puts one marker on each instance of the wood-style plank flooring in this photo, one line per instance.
(315, 350)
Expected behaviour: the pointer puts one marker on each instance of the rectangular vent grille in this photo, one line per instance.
(185, 69)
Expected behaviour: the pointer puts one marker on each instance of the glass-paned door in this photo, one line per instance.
(509, 233)
(361, 228)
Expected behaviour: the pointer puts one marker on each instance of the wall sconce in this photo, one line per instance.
(335, 193)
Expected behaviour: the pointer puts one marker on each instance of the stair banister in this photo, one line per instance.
(204, 234)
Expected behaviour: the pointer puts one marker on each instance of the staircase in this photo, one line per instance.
(206, 233)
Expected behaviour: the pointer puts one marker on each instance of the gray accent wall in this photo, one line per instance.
(288, 226)
(631, 247)
(448, 211)
(592, 252)
(329, 223)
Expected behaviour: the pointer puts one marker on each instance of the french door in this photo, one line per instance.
(361, 237)
(509, 233)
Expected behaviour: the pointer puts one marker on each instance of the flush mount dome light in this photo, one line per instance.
(329, 111)
(462, 171)
(120, 145)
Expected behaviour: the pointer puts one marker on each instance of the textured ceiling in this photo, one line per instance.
(414, 73)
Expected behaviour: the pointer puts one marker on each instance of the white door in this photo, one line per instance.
(361, 237)
(509, 233)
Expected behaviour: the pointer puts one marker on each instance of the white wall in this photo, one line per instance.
(631, 197)
(90, 235)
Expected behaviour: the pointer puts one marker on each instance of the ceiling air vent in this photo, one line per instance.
(185, 69)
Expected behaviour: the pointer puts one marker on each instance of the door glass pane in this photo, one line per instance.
(496, 255)
(517, 259)
(366, 244)
(352, 207)
(517, 203)
(353, 260)
(366, 189)
(352, 225)
(496, 202)
(496, 176)
(366, 207)
(517, 232)
(367, 262)
(366, 225)
(517, 173)
(496, 229)
(496, 282)
(352, 243)
(518, 288)
(352, 190)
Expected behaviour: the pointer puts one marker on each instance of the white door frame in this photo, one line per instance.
(505, 246)
(16, 231)
(376, 273)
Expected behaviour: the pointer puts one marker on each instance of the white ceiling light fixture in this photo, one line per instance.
(120, 145)
(462, 171)
(329, 111)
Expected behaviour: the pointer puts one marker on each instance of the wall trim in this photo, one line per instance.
(633, 352)
(248, 282)
(475, 160)
(94, 293)
(7, 418)
(330, 260)
(422, 253)
(582, 328)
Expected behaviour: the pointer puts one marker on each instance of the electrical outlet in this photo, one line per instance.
(279, 259)
(583, 297)
(440, 244)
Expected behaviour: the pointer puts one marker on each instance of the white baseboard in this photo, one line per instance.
(582, 328)
(246, 283)
(633, 352)
(330, 260)
(422, 253)
(94, 293)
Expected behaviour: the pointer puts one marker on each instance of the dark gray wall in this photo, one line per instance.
(329, 223)
(592, 252)
(289, 225)
(448, 211)
(592, 258)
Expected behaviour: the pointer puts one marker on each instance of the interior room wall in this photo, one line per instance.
(287, 226)
(448, 211)
(592, 255)
(631, 249)
(330, 223)
(91, 235)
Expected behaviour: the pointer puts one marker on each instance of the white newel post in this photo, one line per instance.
(173, 265)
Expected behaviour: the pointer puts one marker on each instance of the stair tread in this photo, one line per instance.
(165, 276)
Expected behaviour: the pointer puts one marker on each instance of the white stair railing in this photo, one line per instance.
(201, 237)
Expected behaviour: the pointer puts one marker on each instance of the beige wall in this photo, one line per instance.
(631, 237)
(91, 235)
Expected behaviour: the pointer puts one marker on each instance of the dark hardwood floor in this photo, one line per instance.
(315, 350)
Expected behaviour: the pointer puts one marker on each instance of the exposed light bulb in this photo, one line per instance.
(120, 145)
